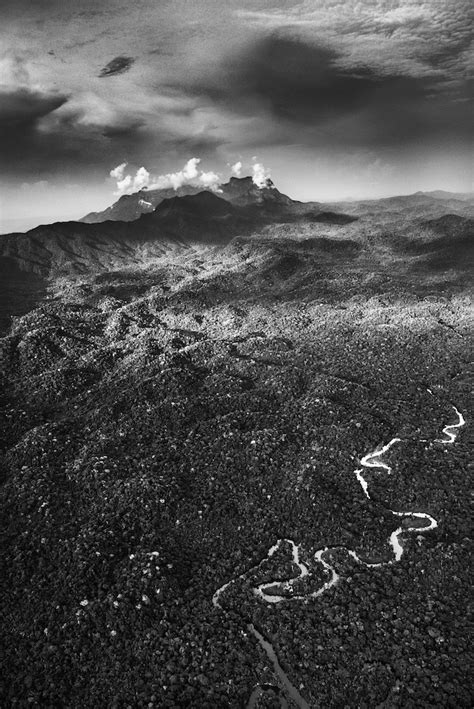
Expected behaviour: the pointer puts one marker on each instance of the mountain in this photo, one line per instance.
(244, 192)
(240, 208)
(389, 236)
(422, 205)
(239, 191)
(442, 194)
(205, 205)
(131, 206)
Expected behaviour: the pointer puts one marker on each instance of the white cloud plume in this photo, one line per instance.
(141, 179)
(178, 179)
(118, 172)
(260, 175)
(211, 180)
(237, 168)
(124, 186)
(189, 175)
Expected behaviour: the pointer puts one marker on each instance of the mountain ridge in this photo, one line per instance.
(243, 191)
(431, 236)
(203, 218)
(239, 190)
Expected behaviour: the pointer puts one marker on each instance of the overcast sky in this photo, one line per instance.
(338, 98)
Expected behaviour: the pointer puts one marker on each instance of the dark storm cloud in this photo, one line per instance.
(36, 138)
(119, 65)
(36, 142)
(303, 83)
(295, 85)
(20, 109)
(67, 147)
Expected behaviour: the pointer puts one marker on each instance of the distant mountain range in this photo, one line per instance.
(442, 194)
(427, 234)
(240, 208)
(243, 192)
(238, 191)
(177, 220)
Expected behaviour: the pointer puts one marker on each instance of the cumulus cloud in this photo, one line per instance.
(124, 186)
(119, 171)
(211, 180)
(141, 180)
(182, 177)
(260, 175)
(237, 168)
(188, 175)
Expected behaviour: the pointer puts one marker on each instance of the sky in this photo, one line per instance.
(335, 99)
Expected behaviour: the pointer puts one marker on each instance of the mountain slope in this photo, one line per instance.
(448, 243)
(131, 206)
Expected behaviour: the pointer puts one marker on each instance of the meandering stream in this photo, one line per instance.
(277, 591)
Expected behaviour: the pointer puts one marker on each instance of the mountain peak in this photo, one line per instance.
(239, 191)
(243, 191)
(248, 180)
(240, 180)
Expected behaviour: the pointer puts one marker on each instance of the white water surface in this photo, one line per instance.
(450, 431)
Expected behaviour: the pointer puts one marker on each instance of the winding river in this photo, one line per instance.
(278, 591)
